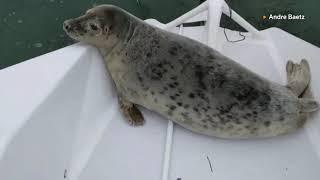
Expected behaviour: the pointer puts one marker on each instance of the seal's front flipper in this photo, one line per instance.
(298, 76)
(131, 113)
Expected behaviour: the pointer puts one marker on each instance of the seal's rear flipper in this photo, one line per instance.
(308, 105)
(298, 76)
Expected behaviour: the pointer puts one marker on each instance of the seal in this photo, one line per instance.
(188, 82)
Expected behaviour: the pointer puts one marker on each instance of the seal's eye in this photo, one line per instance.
(93, 27)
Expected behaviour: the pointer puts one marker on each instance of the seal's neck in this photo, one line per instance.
(118, 41)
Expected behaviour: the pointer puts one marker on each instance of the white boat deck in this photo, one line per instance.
(59, 118)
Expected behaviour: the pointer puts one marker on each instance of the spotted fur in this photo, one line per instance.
(188, 82)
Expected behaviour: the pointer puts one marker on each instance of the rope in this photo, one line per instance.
(225, 33)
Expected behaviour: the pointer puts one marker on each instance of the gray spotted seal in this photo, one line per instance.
(188, 82)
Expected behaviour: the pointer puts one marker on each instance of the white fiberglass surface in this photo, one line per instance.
(288, 157)
(125, 152)
(38, 144)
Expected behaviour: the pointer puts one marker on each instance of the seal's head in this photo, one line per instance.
(101, 26)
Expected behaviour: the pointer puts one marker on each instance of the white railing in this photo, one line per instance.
(215, 9)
